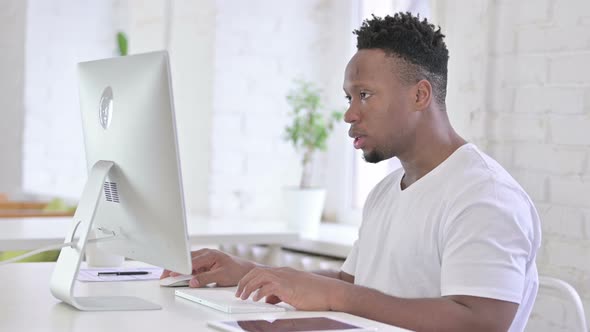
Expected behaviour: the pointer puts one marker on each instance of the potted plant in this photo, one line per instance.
(308, 133)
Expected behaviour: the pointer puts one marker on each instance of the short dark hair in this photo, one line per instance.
(417, 43)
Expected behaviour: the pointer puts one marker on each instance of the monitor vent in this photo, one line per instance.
(111, 193)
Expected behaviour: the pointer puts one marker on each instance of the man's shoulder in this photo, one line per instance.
(480, 178)
(479, 169)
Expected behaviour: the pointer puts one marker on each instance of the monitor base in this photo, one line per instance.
(113, 303)
(67, 267)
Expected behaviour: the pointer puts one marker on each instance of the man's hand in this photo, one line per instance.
(214, 266)
(304, 291)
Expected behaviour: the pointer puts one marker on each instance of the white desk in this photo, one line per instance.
(334, 240)
(33, 233)
(27, 305)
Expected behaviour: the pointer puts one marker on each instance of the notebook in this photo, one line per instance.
(225, 300)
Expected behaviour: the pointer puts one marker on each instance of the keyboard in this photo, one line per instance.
(225, 300)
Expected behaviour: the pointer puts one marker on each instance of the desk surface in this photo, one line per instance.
(27, 305)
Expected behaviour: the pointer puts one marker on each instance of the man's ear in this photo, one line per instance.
(423, 95)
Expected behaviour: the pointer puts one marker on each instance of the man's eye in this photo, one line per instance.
(347, 99)
(363, 95)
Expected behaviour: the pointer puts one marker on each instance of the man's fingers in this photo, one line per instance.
(168, 273)
(204, 278)
(254, 284)
(165, 273)
(201, 270)
(246, 279)
(204, 261)
(273, 299)
(264, 291)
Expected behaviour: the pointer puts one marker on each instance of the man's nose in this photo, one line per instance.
(351, 115)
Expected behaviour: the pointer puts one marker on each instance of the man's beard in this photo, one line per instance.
(374, 156)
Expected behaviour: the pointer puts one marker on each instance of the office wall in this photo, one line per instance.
(62, 33)
(233, 64)
(12, 67)
(231, 73)
(260, 48)
(59, 34)
(520, 87)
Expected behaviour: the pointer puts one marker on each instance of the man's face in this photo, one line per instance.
(381, 114)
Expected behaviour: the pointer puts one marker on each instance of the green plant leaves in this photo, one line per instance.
(122, 43)
(309, 129)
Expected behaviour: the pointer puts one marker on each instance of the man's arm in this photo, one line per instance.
(450, 313)
(308, 291)
(336, 275)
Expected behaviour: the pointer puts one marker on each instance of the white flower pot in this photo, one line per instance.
(303, 209)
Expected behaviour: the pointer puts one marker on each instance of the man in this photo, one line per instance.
(448, 242)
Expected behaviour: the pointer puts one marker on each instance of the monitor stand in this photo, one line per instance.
(66, 269)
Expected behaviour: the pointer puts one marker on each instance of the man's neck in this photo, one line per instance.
(434, 144)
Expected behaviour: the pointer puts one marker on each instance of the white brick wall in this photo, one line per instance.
(549, 100)
(571, 130)
(59, 34)
(231, 73)
(549, 159)
(521, 70)
(534, 103)
(12, 67)
(563, 223)
(532, 11)
(466, 95)
(62, 33)
(261, 47)
(570, 191)
(516, 127)
(540, 39)
(571, 69)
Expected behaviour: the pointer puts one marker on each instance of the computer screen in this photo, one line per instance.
(134, 191)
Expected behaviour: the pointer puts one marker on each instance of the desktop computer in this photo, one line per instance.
(133, 196)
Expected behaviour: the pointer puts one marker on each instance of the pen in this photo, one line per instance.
(124, 273)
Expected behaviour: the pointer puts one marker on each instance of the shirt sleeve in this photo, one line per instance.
(488, 244)
(349, 266)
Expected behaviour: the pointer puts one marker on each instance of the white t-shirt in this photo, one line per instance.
(465, 228)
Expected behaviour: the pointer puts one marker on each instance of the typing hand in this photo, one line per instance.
(302, 290)
(214, 266)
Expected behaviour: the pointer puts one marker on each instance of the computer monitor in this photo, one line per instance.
(134, 190)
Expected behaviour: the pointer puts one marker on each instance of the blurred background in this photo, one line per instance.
(519, 88)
